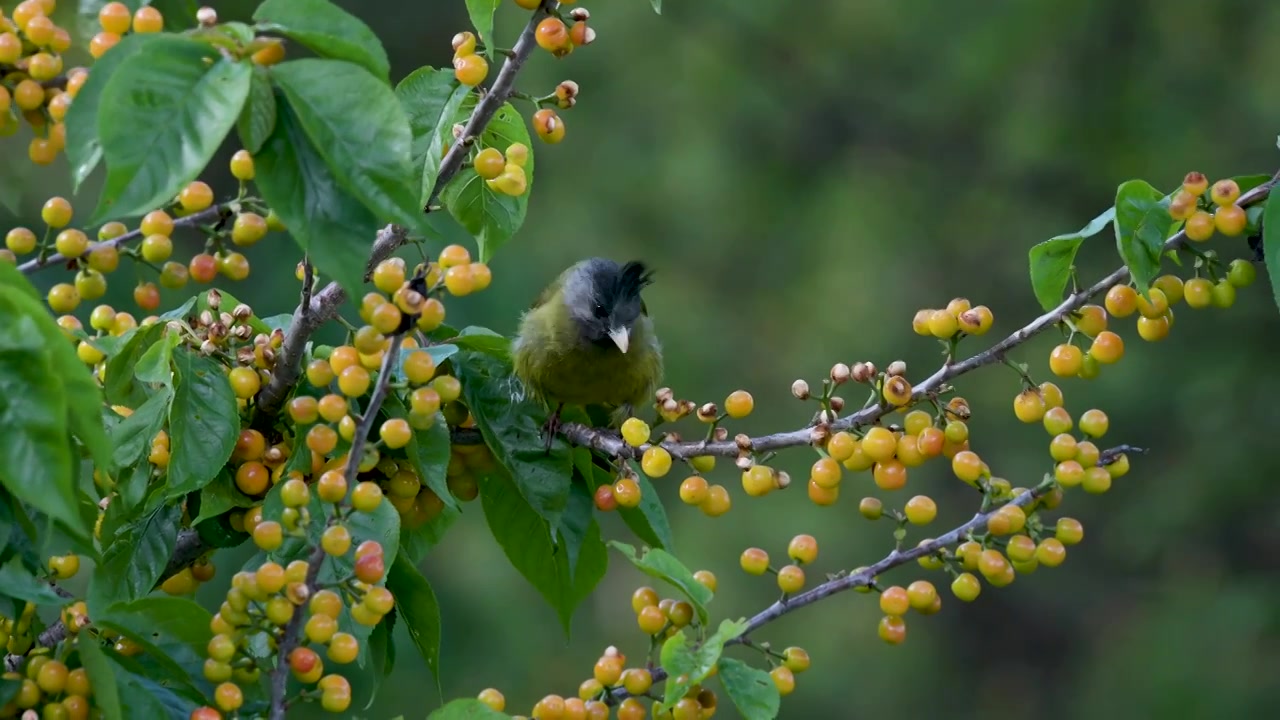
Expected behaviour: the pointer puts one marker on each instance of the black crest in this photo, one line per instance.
(618, 286)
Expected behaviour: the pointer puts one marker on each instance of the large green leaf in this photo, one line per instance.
(135, 558)
(84, 147)
(660, 564)
(366, 144)
(132, 436)
(174, 631)
(1271, 242)
(467, 709)
(1142, 224)
(328, 30)
(18, 582)
(102, 677)
(751, 690)
(418, 609)
(258, 116)
(511, 429)
(689, 662)
(120, 385)
(219, 496)
(428, 450)
(326, 221)
(203, 422)
(648, 521)
(1052, 259)
(148, 690)
(39, 462)
(431, 98)
(481, 14)
(527, 541)
(195, 90)
(493, 218)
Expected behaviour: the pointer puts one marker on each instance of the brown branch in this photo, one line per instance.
(866, 576)
(611, 443)
(290, 639)
(209, 214)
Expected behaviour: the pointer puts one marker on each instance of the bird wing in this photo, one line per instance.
(549, 291)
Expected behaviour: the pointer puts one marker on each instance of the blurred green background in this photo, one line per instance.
(803, 178)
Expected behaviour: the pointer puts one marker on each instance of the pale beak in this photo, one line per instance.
(621, 337)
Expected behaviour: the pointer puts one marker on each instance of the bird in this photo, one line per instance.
(588, 341)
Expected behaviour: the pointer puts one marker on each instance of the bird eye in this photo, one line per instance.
(599, 311)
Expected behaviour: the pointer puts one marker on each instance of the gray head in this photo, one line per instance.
(603, 298)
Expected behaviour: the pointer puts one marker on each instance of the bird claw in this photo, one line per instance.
(550, 428)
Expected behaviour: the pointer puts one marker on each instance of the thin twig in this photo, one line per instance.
(207, 215)
(291, 637)
(612, 444)
(865, 576)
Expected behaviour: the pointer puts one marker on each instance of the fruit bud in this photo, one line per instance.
(217, 331)
(274, 455)
(458, 129)
(743, 441)
(241, 312)
(896, 368)
(819, 434)
(708, 412)
(173, 326)
(226, 318)
(862, 372)
(837, 403)
(579, 15)
(297, 592)
(612, 651)
(827, 417)
(206, 318)
(277, 338)
(744, 462)
(207, 16)
(214, 299)
(782, 479)
(104, 502)
(721, 434)
(245, 355)
(663, 394)
(670, 407)
(567, 90)
(462, 39)
(269, 356)
(208, 348)
(687, 406)
(30, 715)
(800, 390)
(588, 36)
(840, 373)
(242, 332)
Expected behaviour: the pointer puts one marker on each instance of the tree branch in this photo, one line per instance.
(866, 576)
(209, 214)
(611, 443)
(324, 306)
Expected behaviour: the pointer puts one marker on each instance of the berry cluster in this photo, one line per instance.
(504, 173)
(556, 36)
(469, 67)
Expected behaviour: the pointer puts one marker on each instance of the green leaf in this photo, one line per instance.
(326, 221)
(120, 386)
(203, 422)
(685, 658)
(527, 541)
(9, 688)
(154, 365)
(197, 91)
(438, 353)
(258, 116)
(132, 436)
(84, 147)
(133, 561)
(751, 690)
(18, 582)
(1142, 224)
(39, 462)
(467, 709)
(144, 693)
(657, 6)
(430, 98)
(493, 218)
(428, 450)
(660, 564)
(178, 14)
(14, 181)
(366, 144)
(1271, 242)
(1051, 260)
(484, 340)
(174, 631)
(327, 30)
(1249, 182)
(102, 677)
(648, 521)
(416, 542)
(417, 607)
(481, 13)
(220, 496)
(512, 431)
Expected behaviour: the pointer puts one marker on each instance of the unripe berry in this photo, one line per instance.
(552, 35)
(1066, 360)
(754, 561)
(548, 125)
(871, 508)
(893, 629)
(1121, 301)
(1224, 192)
(1029, 406)
(921, 510)
(803, 549)
(943, 324)
(966, 587)
(464, 43)
(897, 391)
(656, 462)
(1107, 348)
(1153, 329)
(635, 431)
(489, 163)
(790, 579)
(895, 601)
(470, 70)
(1200, 226)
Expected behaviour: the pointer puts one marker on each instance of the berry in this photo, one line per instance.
(56, 212)
(879, 444)
(1107, 348)
(20, 240)
(102, 42)
(548, 125)
(203, 268)
(889, 475)
(552, 35)
(694, 490)
(1057, 421)
(156, 222)
(1029, 406)
(343, 648)
(739, 404)
(268, 535)
(651, 620)
(897, 391)
(967, 466)
(627, 493)
(1121, 301)
(228, 697)
(943, 324)
(803, 549)
(1094, 423)
(1241, 273)
(1069, 473)
(196, 196)
(1062, 447)
(754, 561)
(782, 678)
(248, 229)
(1153, 329)
(1066, 360)
(245, 382)
(1223, 294)
(489, 163)
(1198, 292)
(895, 601)
(242, 166)
(790, 579)
(147, 20)
(921, 594)
(366, 496)
(470, 70)
(1200, 226)
(1154, 304)
(114, 17)
(370, 568)
(1230, 220)
(825, 473)
(1069, 531)
(63, 298)
(921, 510)
(354, 381)
(494, 699)
(635, 431)
(871, 508)
(1051, 552)
(1096, 480)
(1195, 183)
(1224, 192)
(656, 462)
(966, 587)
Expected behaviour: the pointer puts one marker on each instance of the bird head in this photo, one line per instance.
(603, 298)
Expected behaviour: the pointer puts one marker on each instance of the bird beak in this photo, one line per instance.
(621, 337)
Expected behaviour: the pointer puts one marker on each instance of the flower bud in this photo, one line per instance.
(837, 403)
(840, 373)
(214, 299)
(743, 441)
(708, 412)
(207, 17)
(579, 14)
(800, 390)
(782, 479)
(896, 368)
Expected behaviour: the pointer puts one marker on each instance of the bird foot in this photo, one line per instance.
(550, 428)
